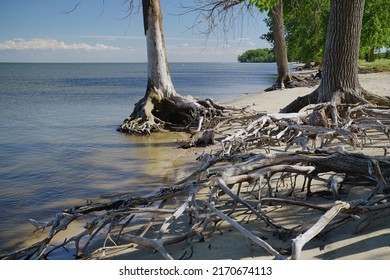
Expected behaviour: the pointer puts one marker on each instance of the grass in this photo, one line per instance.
(379, 65)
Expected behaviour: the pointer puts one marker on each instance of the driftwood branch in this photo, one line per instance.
(302, 151)
(247, 233)
(302, 239)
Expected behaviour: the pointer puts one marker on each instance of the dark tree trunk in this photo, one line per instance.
(372, 55)
(280, 44)
(340, 80)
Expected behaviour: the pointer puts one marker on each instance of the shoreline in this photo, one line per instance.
(377, 83)
(341, 245)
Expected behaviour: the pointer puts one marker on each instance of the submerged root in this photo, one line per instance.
(155, 112)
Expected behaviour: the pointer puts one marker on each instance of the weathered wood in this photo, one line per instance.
(116, 226)
(302, 239)
(257, 240)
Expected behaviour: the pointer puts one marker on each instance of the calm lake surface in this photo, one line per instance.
(58, 139)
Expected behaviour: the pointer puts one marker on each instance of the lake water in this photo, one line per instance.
(58, 139)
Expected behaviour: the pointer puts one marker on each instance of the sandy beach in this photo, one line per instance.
(344, 243)
(374, 244)
(273, 101)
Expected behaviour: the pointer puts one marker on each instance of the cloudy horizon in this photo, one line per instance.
(42, 33)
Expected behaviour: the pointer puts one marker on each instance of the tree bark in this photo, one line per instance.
(340, 82)
(158, 70)
(162, 106)
(280, 45)
(372, 55)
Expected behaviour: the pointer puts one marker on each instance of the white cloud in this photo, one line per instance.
(113, 37)
(88, 50)
(51, 44)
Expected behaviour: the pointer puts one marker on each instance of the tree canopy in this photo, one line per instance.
(376, 26)
(305, 24)
(257, 55)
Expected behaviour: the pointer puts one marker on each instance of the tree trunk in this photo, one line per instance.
(162, 106)
(372, 55)
(149, 111)
(280, 45)
(340, 82)
(158, 70)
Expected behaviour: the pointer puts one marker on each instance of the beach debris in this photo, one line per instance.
(262, 170)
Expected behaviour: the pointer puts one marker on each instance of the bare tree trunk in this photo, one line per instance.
(144, 119)
(158, 70)
(162, 106)
(280, 45)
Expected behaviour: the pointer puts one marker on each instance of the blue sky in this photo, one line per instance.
(42, 31)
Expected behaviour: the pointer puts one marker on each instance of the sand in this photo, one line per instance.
(343, 243)
(228, 243)
(273, 101)
(373, 244)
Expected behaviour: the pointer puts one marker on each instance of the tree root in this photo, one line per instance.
(117, 220)
(293, 81)
(156, 112)
(237, 180)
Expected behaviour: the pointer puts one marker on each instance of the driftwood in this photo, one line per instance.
(302, 239)
(238, 180)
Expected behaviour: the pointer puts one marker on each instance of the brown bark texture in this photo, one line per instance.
(340, 70)
(340, 81)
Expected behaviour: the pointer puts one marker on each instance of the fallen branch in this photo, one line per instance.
(247, 233)
(302, 239)
(241, 179)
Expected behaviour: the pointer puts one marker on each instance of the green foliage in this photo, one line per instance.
(262, 5)
(269, 36)
(306, 24)
(379, 65)
(386, 54)
(305, 28)
(376, 26)
(257, 55)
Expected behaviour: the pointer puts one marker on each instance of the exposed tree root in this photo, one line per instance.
(339, 99)
(120, 224)
(238, 179)
(293, 81)
(157, 111)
